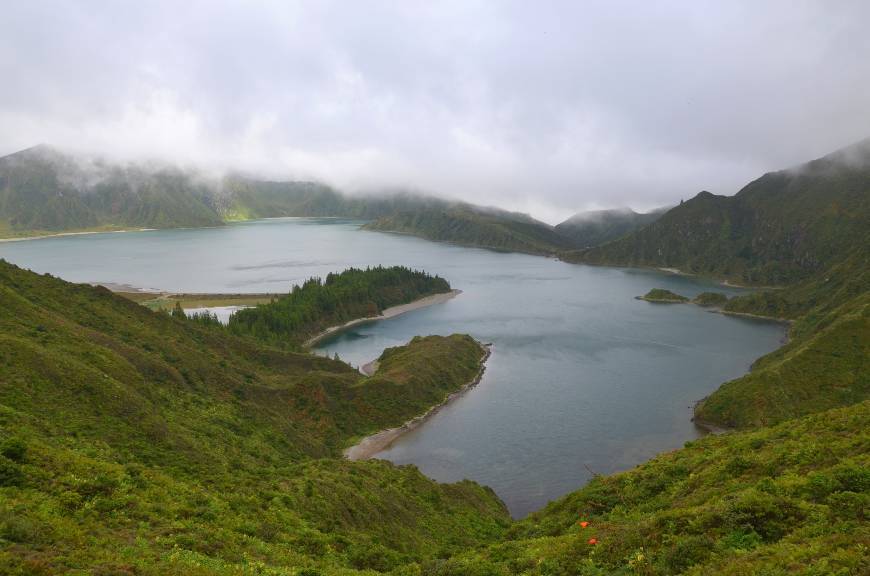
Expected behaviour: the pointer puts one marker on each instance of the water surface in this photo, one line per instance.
(583, 378)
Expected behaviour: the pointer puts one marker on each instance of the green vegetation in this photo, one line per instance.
(598, 227)
(247, 199)
(142, 443)
(712, 299)
(662, 295)
(791, 499)
(782, 228)
(472, 226)
(824, 365)
(318, 304)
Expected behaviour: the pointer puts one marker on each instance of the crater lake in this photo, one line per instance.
(583, 378)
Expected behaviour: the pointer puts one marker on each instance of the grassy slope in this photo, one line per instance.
(824, 365)
(468, 226)
(156, 446)
(790, 499)
(826, 368)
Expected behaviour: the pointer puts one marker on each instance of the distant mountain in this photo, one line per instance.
(244, 198)
(469, 225)
(783, 227)
(596, 227)
(44, 191)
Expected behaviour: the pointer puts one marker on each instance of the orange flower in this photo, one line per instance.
(593, 541)
(584, 524)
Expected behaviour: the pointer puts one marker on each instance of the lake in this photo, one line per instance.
(582, 379)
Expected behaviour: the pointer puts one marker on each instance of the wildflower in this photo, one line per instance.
(584, 524)
(593, 541)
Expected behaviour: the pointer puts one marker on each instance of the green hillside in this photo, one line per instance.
(779, 229)
(824, 364)
(245, 198)
(472, 226)
(135, 442)
(588, 229)
(45, 191)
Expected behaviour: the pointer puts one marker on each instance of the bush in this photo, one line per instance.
(15, 449)
(10, 472)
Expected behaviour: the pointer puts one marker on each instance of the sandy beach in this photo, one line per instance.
(391, 312)
(371, 445)
(83, 233)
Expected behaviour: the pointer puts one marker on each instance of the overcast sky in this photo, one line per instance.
(545, 107)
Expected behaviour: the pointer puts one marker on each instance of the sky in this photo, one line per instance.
(545, 107)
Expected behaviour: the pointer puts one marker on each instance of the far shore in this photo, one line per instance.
(371, 445)
(391, 312)
(80, 233)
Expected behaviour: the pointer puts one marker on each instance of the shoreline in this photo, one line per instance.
(81, 233)
(379, 441)
(390, 312)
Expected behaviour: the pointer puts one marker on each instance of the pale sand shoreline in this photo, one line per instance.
(391, 312)
(60, 234)
(371, 445)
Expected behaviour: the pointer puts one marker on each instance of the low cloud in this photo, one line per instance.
(549, 108)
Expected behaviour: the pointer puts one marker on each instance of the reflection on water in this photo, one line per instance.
(583, 378)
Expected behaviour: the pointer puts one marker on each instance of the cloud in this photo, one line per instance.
(550, 107)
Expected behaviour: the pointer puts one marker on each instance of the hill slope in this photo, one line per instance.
(43, 190)
(779, 229)
(824, 364)
(473, 226)
(132, 441)
(598, 227)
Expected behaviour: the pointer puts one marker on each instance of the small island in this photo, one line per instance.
(661, 295)
(710, 299)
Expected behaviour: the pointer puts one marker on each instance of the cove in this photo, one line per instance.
(582, 377)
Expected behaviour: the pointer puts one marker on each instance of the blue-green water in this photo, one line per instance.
(583, 378)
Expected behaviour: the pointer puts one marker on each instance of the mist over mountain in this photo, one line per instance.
(494, 103)
(595, 227)
(44, 190)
